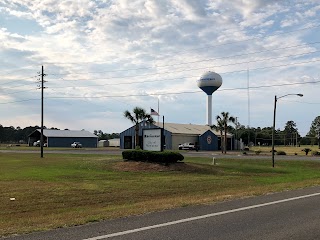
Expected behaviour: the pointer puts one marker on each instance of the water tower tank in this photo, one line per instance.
(209, 82)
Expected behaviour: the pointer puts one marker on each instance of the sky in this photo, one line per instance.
(101, 58)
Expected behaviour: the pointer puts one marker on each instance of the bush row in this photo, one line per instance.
(165, 157)
(281, 153)
(315, 153)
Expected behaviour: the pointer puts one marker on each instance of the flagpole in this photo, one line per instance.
(158, 109)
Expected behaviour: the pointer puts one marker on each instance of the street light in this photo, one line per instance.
(274, 120)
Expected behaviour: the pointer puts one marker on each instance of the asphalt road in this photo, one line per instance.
(208, 154)
(216, 154)
(286, 215)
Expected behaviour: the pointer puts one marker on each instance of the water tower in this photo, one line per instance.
(209, 82)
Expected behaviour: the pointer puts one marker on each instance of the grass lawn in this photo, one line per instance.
(25, 147)
(289, 150)
(67, 189)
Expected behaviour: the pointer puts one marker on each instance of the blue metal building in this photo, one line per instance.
(64, 138)
(175, 134)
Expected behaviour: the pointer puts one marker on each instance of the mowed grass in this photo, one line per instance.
(65, 190)
(289, 150)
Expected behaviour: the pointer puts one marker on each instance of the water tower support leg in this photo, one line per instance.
(209, 110)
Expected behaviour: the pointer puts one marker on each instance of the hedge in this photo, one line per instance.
(315, 153)
(281, 153)
(165, 157)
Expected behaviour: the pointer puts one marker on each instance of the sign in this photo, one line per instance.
(152, 139)
(209, 139)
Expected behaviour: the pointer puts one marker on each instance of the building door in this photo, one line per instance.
(127, 142)
(219, 143)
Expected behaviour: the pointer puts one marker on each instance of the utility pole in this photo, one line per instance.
(236, 135)
(248, 91)
(42, 88)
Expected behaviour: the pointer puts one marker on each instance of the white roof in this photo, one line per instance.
(66, 133)
(194, 129)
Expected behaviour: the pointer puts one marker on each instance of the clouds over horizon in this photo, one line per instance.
(96, 52)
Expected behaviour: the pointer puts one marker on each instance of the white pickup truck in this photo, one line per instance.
(187, 146)
(76, 145)
(37, 144)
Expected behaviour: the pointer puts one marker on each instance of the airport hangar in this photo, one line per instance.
(64, 138)
(175, 134)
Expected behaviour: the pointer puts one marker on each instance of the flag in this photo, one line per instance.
(153, 112)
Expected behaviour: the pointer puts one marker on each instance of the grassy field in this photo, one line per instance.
(289, 150)
(25, 147)
(64, 190)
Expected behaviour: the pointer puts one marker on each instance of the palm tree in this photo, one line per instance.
(219, 127)
(225, 118)
(138, 114)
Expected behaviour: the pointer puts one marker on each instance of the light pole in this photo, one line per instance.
(274, 120)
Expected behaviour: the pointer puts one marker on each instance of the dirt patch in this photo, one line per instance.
(129, 166)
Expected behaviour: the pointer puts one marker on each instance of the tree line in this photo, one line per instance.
(20, 135)
(288, 136)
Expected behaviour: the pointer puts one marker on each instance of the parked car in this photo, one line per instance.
(76, 145)
(187, 146)
(37, 144)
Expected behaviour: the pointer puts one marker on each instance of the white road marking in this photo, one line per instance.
(198, 217)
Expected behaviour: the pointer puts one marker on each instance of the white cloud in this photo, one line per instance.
(99, 45)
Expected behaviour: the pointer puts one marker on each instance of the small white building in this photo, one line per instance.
(110, 143)
(103, 143)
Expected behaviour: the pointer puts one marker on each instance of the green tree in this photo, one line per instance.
(138, 115)
(290, 132)
(225, 119)
(219, 128)
(314, 130)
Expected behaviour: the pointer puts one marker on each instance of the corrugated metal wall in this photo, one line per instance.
(208, 141)
(66, 142)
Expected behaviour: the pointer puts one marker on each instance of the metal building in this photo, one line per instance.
(64, 138)
(175, 134)
(115, 142)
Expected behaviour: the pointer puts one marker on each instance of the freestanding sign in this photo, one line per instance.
(152, 139)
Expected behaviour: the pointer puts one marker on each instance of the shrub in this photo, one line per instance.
(315, 153)
(306, 150)
(281, 153)
(246, 149)
(257, 152)
(244, 153)
(165, 157)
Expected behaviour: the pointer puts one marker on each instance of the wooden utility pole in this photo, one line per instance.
(42, 87)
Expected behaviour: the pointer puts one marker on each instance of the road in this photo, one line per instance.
(216, 154)
(286, 215)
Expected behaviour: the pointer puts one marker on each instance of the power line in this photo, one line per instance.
(168, 93)
(24, 100)
(203, 60)
(237, 71)
(18, 80)
(19, 91)
(13, 71)
(188, 77)
(17, 86)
